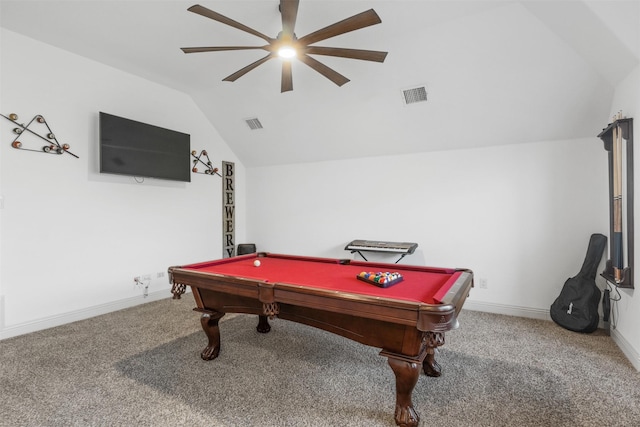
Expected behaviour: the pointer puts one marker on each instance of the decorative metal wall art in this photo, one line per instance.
(52, 147)
(197, 158)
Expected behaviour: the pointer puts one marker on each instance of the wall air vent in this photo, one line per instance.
(254, 124)
(413, 95)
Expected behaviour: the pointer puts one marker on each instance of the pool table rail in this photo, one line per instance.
(425, 317)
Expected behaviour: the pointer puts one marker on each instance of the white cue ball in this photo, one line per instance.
(256, 263)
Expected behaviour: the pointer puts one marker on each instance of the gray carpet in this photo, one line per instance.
(141, 366)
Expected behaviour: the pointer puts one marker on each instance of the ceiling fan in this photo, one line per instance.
(288, 46)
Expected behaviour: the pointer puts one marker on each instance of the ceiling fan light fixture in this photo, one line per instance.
(287, 46)
(287, 52)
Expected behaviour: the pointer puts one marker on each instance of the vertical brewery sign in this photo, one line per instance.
(228, 210)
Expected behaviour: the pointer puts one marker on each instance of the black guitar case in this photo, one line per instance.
(576, 308)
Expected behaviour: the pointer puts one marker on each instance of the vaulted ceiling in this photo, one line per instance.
(496, 72)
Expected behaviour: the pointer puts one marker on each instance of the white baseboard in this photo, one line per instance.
(74, 316)
(509, 310)
(627, 349)
(1, 312)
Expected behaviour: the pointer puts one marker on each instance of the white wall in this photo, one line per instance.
(520, 216)
(2, 310)
(627, 310)
(72, 238)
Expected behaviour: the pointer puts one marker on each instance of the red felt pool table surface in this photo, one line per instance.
(420, 284)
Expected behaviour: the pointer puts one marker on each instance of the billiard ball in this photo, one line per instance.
(256, 263)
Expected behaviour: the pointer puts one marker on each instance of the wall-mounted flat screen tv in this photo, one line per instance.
(128, 147)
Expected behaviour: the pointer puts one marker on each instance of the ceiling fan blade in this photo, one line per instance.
(289, 11)
(201, 10)
(356, 22)
(287, 79)
(218, 48)
(365, 55)
(329, 73)
(235, 76)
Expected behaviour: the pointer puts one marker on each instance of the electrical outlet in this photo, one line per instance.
(482, 283)
(160, 274)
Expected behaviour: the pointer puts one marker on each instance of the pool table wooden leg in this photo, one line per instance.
(407, 374)
(209, 322)
(433, 340)
(263, 325)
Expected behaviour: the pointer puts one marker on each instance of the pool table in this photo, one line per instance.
(407, 320)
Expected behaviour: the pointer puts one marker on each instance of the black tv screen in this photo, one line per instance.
(128, 147)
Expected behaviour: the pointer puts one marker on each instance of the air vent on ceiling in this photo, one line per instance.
(415, 94)
(254, 124)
